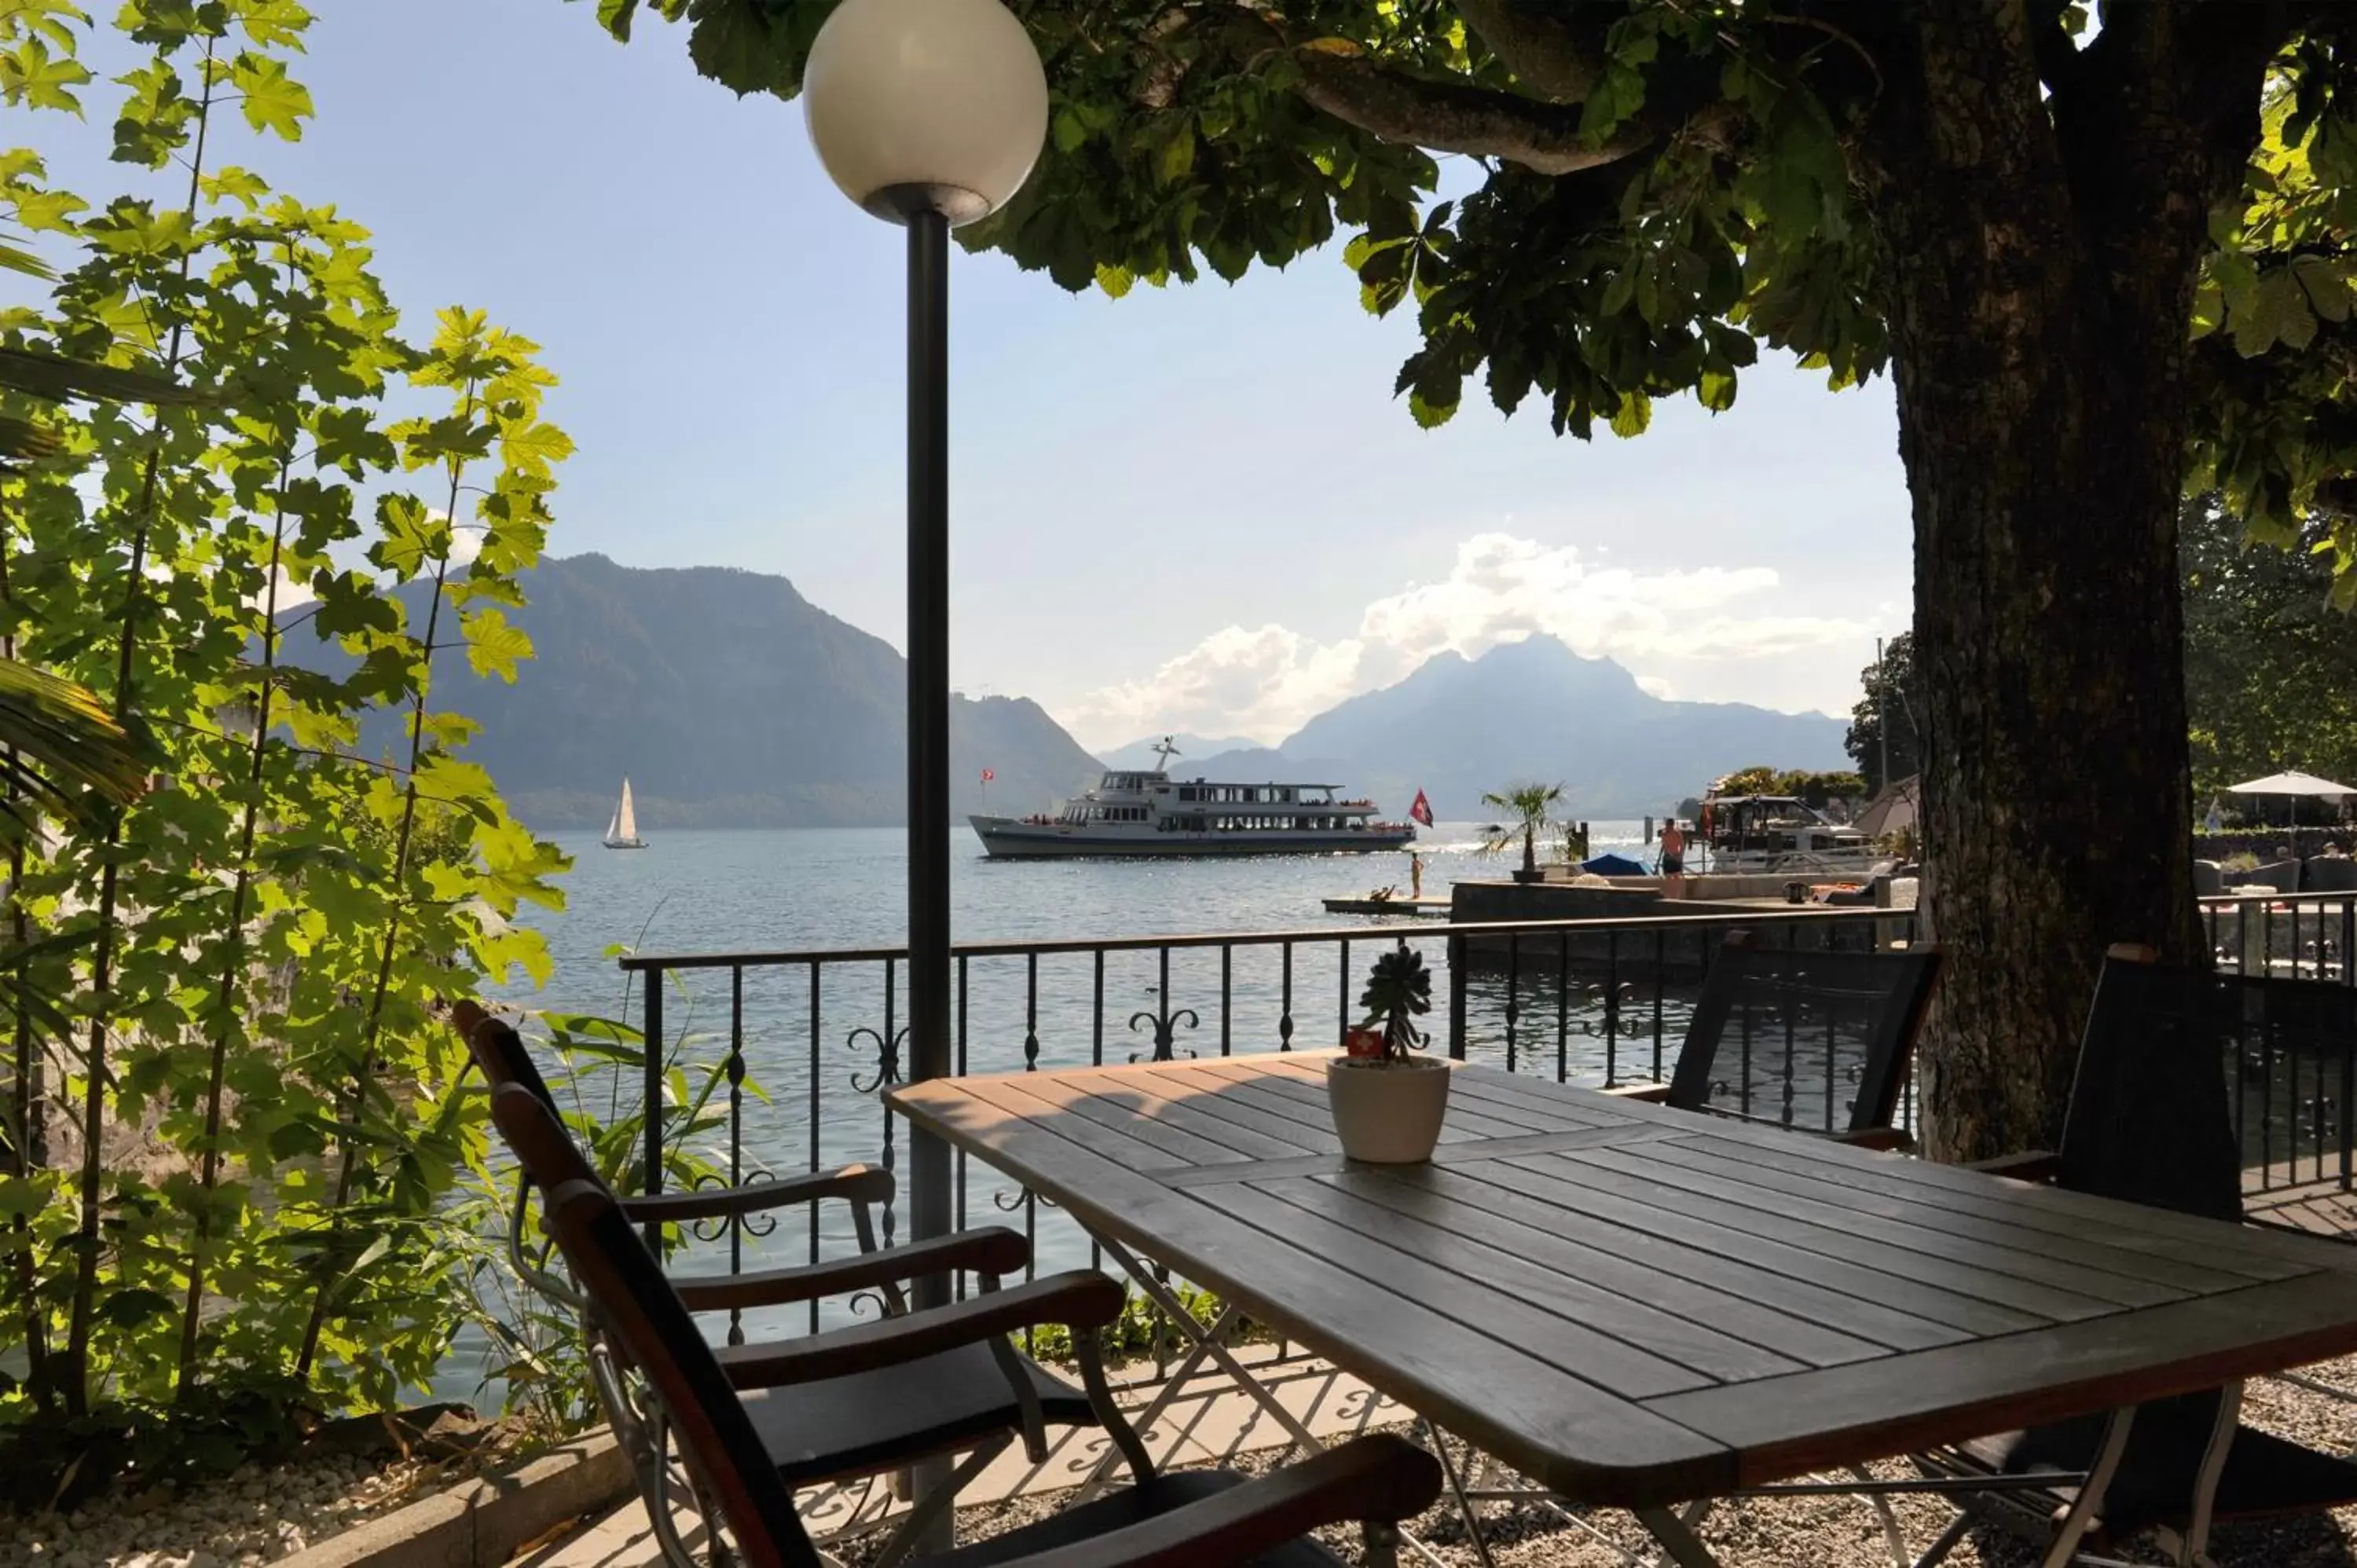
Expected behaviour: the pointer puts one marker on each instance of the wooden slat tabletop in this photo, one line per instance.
(1636, 1305)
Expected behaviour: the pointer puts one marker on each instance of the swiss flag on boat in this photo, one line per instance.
(1422, 810)
(987, 775)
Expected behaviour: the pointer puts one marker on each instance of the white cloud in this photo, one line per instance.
(1267, 682)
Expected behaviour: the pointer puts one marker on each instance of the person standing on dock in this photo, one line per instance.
(1415, 874)
(1674, 848)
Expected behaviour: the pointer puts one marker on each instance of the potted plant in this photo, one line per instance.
(1387, 1101)
(1531, 805)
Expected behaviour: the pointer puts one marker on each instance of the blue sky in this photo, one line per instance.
(1197, 508)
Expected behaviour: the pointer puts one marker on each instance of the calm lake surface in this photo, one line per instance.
(810, 1090)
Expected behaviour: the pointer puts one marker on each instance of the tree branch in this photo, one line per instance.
(1546, 54)
(1443, 117)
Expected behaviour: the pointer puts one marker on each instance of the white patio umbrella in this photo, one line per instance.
(2290, 784)
(1892, 810)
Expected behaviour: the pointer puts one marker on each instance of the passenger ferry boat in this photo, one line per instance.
(1152, 813)
(1779, 832)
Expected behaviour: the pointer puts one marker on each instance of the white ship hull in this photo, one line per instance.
(1014, 838)
(1830, 861)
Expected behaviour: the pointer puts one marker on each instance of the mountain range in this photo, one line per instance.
(1139, 753)
(1534, 711)
(731, 700)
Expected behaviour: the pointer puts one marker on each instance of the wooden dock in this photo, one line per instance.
(1430, 904)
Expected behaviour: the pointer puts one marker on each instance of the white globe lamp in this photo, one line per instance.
(926, 105)
(930, 114)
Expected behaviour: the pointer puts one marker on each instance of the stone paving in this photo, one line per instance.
(1209, 1422)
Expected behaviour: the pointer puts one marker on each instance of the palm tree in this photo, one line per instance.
(1531, 805)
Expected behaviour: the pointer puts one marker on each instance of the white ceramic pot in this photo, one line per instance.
(1387, 1113)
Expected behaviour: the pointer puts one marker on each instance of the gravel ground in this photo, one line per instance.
(255, 1517)
(1843, 1532)
(259, 1516)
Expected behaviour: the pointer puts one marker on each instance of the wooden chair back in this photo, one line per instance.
(2151, 1117)
(499, 1051)
(1804, 1038)
(639, 1310)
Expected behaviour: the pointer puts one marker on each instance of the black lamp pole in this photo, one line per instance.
(929, 716)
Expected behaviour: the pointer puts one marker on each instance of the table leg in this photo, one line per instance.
(2090, 1500)
(2194, 1552)
(1456, 1490)
(1210, 1342)
(1893, 1538)
(1950, 1538)
(1677, 1538)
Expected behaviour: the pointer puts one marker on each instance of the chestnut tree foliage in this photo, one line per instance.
(2103, 249)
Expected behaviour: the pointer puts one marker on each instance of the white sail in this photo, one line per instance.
(622, 832)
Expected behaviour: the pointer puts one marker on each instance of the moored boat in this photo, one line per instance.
(1133, 813)
(1780, 833)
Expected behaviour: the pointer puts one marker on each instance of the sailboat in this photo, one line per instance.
(622, 832)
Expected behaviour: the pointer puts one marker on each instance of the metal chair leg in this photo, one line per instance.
(935, 1503)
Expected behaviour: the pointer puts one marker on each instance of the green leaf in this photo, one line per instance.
(1428, 412)
(2325, 284)
(131, 1308)
(272, 101)
(2276, 311)
(532, 448)
(495, 645)
(33, 78)
(1177, 159)
(1716, 391)
(1067, 131)
(1633, 417)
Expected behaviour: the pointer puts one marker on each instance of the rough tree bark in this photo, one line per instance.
(2041, 271)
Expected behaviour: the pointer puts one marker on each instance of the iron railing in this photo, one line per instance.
(2292, 1107)
(810, 1038)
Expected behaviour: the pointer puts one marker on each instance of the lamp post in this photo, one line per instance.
(928, 113)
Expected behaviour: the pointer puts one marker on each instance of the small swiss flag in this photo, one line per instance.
(987, 775)
(1422, 810)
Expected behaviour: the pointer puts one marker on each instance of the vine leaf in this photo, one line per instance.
(273, 101)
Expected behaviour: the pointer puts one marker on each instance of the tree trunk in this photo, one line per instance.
(2041, 285)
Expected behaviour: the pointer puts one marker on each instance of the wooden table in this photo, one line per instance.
(1635, 1306)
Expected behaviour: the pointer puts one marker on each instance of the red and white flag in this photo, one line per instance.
(987, 775)
(1422, 810)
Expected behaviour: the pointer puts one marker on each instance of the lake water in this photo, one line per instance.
(812, 1063)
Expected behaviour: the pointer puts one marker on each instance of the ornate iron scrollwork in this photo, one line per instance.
(1166, 1024)
(1613, 1017)
(713, 1227)
(887, 1057)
